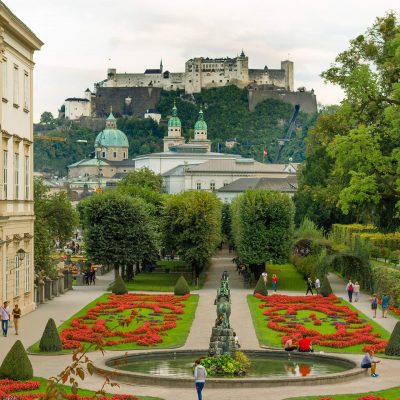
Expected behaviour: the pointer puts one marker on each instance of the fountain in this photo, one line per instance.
(270, 367)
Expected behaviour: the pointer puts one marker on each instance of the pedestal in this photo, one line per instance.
(79, 280)
(222, 341)
(54, 287)
(41, 292)
(48, 295)
(61, 283)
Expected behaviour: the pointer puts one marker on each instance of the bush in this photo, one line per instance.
(181, 287)
(119, 286)
(16, 364)
(50, 340)
(226, 365)
(393, 346)
(307, 265)
(326, 288)
(261, 287)
(308, 230)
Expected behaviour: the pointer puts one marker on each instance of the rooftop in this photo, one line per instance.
(288, 184)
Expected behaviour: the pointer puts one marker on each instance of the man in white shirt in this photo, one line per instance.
(200, 375)
(317, 285)
(5, 317)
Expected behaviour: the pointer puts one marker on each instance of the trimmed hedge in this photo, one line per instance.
(16, 364)
(119, 286)
(343, 233)
(393, 346)
(181, 287)
(50, 341)
(390, 241)
(261, 287)
(326, 288)
(387, 280)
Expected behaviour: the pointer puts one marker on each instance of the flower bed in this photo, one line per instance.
(22, 390)
(140, 319)
(329, 324)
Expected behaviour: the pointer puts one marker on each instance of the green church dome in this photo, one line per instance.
(111, 136)
(200, 125)
(174, 121)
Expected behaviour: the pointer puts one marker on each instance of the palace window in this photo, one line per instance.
(16, 276)
(16, 175)
(212, 186)
(114, 154)
(16, 85)
(225, 183)
(26, 91)
(104, 154)
(5, 79)
(198, 185)
(27, 177)
(5, 172)
(27, 274)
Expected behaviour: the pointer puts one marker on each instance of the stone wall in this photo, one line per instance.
(307, 100)
(132, 101)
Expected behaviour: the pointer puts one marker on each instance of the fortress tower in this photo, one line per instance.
(200, 132)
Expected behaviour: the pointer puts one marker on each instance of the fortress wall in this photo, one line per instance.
(142, 98)
(307, 100)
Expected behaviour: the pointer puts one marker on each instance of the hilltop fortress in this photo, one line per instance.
(204, 73)
(134, 93)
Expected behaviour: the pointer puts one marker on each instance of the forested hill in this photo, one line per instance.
(226, 113)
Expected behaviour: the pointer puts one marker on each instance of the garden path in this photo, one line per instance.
(240, 319)
(338, 285)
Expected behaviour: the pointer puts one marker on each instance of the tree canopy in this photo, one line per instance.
(262, 226)
(192, 226)
(353, 156)
(118, 229)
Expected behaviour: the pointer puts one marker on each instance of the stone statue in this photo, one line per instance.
(222, 338)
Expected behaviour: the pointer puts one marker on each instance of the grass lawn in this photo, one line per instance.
(81, 392)
(388, 394)
(288, 277)
(269, 337)
(160, 281)
(172, 338)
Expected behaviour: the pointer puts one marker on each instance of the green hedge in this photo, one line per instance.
(306, 266)
(343, 234)
(390, 241)
(387, 280)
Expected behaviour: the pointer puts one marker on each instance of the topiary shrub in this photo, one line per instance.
(393, 346)
(261, 287)
(181, 287)
(119, 286)
(16, 364)
(326, 289)
(50, 340)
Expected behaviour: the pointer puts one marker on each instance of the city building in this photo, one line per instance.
(111, 160)
(286, 185)
(17, 46)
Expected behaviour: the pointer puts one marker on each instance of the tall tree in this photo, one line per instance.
(262, 227)
(192, 227)
(362, 150)
(118, 230)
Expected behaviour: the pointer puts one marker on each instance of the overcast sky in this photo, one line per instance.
(85, 37)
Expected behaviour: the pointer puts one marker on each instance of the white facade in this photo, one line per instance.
(155, 116)
(17, 45)
(76, 108)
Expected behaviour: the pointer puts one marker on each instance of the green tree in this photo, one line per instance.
(359, 156)
(262, 226)
(118, 230)
(144, 178)
(192, 227)
(47, 118)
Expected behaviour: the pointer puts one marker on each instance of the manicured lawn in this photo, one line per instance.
(81, 392)
(160, 282)
(288, 277)
(388, 394)
(117, 321)
(273, 338)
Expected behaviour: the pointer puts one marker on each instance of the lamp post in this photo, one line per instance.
(21, 254)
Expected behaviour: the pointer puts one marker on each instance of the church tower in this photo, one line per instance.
(174, 136)
(200, 131)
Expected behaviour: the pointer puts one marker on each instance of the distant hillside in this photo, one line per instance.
(227, 116)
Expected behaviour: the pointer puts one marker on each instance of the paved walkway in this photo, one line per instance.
(63, 307)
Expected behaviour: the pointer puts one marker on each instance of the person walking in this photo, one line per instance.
(309, 287)
(200, 375)
(369, 361)
(385, 305)
(350, 290)
(317, 285)
(374, 304)
(16, 313)
(356, 291)
(5, 317)
(274, 281)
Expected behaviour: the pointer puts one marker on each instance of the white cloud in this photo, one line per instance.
(80, 37)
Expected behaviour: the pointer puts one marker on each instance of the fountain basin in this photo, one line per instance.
(270, 368)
